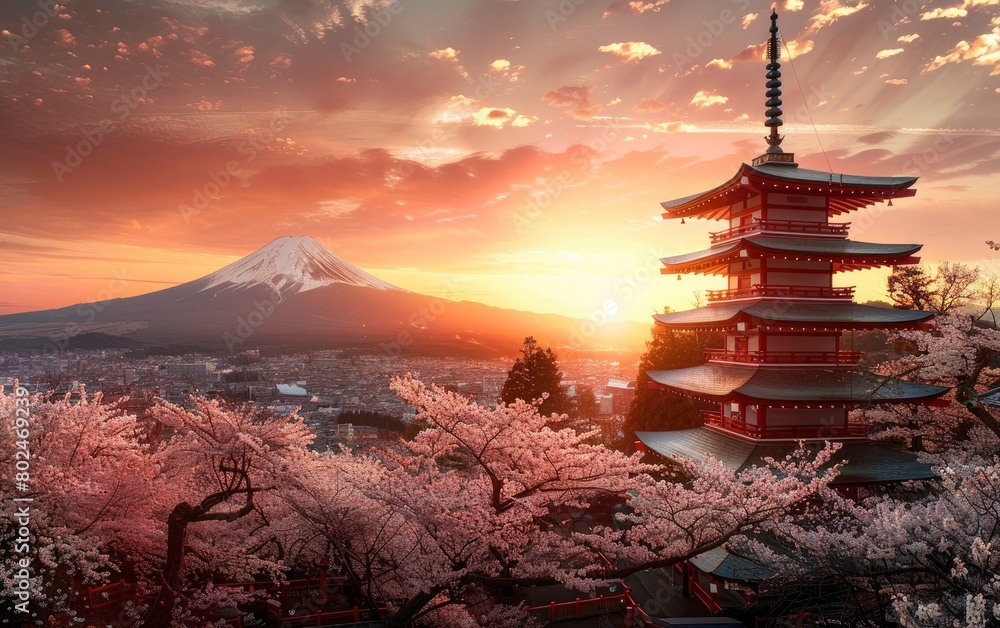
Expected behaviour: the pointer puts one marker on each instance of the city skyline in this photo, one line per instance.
(509, 153)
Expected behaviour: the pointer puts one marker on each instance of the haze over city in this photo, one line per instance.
(510, 153)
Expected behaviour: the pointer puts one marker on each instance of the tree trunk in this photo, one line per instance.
(408, 611)
(177, 523)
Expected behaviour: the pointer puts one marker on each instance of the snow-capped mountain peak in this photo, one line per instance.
(292, 264)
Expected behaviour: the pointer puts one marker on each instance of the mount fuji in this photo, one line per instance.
(292, 264)
(293, 291)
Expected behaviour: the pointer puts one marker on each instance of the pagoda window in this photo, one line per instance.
(779, 278)
(790, 342)
(732, 411)
(777, 263)
(751, 415)
(834, 419)
(805, 201)
(744, 281)
(741, 344)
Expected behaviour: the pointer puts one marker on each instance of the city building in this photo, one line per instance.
(622, 393)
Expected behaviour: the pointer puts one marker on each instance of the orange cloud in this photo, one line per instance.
(670, 127)
(949, 13)
(983, 50)
(450, 54)
(493, 116)
(636, 7)
(504, 68)
(65, 38)
(885, 54)
(202, 59)
(705, 99)
(830, 12)
(279, 64)
(444, 53)
(650, 105)
(630, 50)
(722, 64)
(244, 54)
(575, 96)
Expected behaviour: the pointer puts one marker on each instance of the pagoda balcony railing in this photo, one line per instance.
(736, 424)
(791, 292)
(830, 358)
(837, 229)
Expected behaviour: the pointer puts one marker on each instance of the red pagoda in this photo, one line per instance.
(782, 375)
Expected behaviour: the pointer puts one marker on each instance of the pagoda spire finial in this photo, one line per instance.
(774, 88)
(774, 152)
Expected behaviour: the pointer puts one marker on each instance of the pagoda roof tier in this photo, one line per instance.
(867, 463)
(846, 192)
(763, 311)
(790, 385)
(844, 254)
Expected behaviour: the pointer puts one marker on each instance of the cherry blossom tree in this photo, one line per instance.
(221, 465)
(495, 497)
(438, 528)
(959, 354)
(108, 499)
(91, 477)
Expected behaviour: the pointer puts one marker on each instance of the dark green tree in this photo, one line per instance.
(586, 404)
(536, 372)
(657, 410)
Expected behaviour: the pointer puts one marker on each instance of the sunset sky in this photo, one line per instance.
(508, 152)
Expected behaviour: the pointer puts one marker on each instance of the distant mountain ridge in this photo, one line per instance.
(295, 291)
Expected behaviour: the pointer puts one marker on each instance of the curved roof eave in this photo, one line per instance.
(726, 383)
(769, 311)
(824, 247)
(682, 207)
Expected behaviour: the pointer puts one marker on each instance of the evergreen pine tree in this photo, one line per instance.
(536, 372)
(586, 404)
(658, 410)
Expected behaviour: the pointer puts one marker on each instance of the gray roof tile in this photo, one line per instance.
(866, 462)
